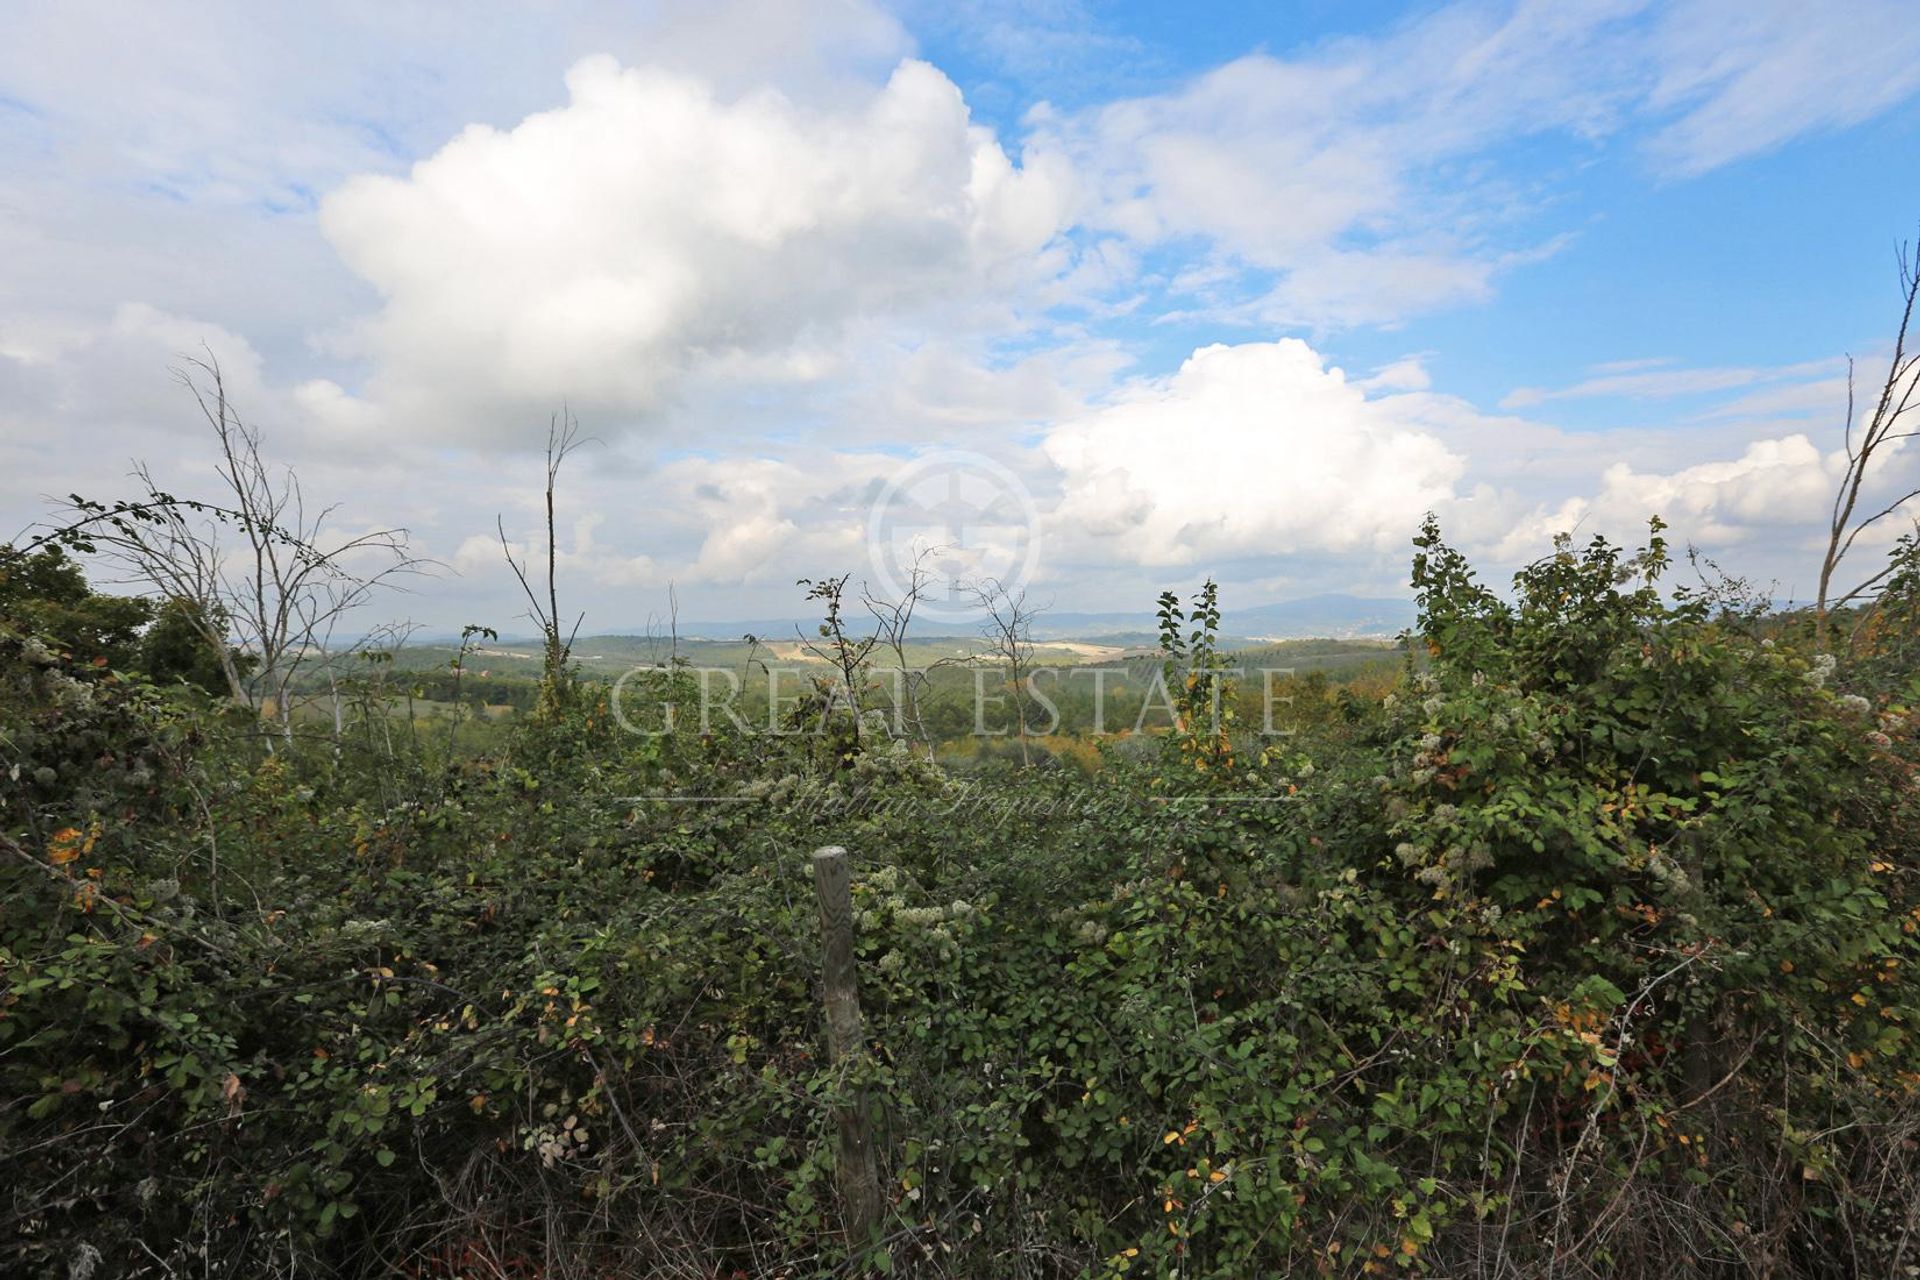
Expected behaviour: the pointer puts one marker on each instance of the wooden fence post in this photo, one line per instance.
(853, 1161)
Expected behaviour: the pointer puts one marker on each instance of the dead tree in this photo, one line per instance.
(1008, 630)
(268, 604)
(556, 682)
(893, 620)
(1885, 427)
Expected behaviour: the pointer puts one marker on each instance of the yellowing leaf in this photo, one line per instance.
(64, 847)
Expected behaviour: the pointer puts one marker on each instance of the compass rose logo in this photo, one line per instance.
(952, 519)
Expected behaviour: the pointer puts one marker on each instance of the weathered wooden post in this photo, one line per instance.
(853, 1161)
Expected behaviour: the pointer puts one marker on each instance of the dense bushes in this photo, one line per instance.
(1588, 952)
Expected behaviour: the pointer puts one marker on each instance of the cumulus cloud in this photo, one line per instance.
(1783, 481)
(1261, 453)
(603, 250)
(1251, 449)
(1773, 484)
(763, 230)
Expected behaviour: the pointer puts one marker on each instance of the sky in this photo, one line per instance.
(1244, 297)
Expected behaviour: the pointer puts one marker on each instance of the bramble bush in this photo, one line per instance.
(1586, 952)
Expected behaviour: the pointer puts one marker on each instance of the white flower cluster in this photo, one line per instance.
(929, 917)
(1091, 932)
(897, 761)
(69, 694)
(1451, 867)
(1087, 930)
(931, 924)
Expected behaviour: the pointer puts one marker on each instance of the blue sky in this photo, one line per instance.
(1772, 260)
(1244, 295)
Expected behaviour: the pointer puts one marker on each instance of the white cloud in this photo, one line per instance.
(1256, 449)
(1773, 484)
(1822, 399)
(219, 103)
(73, 390)
(1347, 173)
(1748, 75)
(1362, 181)
(1642, 381)
(759, 228)
(1406, 374)
(177, 157)
(1343, 289)
(602, 251)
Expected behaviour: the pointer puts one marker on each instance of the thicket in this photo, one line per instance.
(1587, 950)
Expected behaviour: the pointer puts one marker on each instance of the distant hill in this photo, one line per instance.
(1332, 616)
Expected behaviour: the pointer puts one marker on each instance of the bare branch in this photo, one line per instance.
(1880, 432)
(1008, 630)
(893, 620)
(562, 438)
(281, 593)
